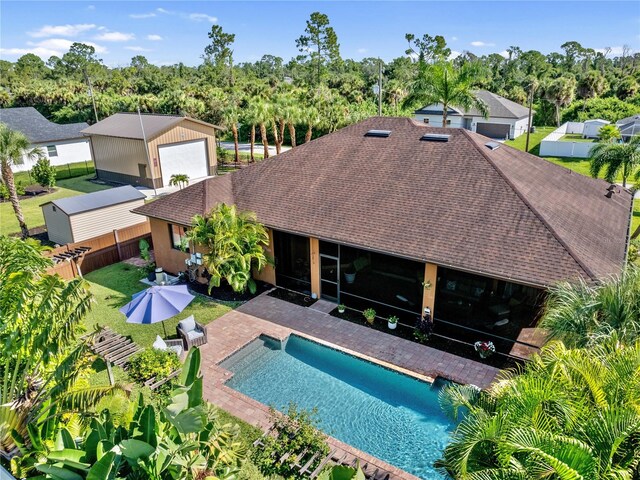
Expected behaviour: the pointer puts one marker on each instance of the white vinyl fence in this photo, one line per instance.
(552, 146)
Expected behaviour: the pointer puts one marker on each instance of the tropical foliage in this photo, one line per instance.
(584, 315)
(184, 440)
(179, 180)
(153, 363)
(233, 244)
(615, 158)
(567, 414)
(43, 173)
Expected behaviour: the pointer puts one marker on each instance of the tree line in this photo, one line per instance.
(318, 91)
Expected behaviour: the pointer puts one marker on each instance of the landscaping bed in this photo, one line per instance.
(292, 297)
(224, 293)
(436, 340)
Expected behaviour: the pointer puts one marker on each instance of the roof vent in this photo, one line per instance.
(378, 133)
(492, 145)
(435, 137)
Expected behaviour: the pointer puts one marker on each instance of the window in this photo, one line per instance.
(426, 120)
(178, 238)
(448, 122)
(52, 151)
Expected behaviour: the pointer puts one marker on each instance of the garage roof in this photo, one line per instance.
(127, 125)
(96, 200)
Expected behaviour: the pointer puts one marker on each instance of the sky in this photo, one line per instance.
(171, 32)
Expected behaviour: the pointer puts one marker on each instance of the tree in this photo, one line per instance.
(41, 357)
(623, 158)
(43, 173)
(263, 115)
(427, 49)
(179, 180)
(566, 414)
(219, 50)
(583, 315)
(560, 92)
(231, 117)
(320, 43)
(14, 149)
(449, 86)
(233, 242)
(592, 84)
(609, 133)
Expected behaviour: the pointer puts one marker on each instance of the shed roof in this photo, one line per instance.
(127, 125)
(37, 128)
(457, 203)
(97, 200)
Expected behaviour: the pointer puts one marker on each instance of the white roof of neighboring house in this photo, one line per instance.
(96, 200)
(499, 107)
(597, 120)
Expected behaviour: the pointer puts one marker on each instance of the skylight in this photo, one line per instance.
(492, 145)
(378, 133)
(435, 137)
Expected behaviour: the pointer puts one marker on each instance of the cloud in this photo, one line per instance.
(62, 30)
(195, 17)
(142, 15)
(453, 39)
(504, 53)
(154, 38)
(362, 50)
(115, 37)
(478, 43)
(454, 54)
(91, 7)
(47, 48)
(137, 49)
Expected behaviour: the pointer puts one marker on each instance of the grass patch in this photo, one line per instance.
(635, 219)
(574, 137)
(534, 140)
(579, 165)
(31, 206)
(70, 170)
(113, 286)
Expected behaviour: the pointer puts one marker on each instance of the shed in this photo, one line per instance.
(74, 219)
(592, 127)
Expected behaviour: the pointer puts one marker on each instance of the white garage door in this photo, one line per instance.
(188, 158)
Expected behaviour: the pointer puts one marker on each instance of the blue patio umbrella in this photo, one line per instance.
(156, 304)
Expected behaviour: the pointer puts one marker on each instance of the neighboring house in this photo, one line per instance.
(415, 217)
(506, 119)
(592, 127)
(62, 144)
(174, 145)
(629, 127)
(74, 219)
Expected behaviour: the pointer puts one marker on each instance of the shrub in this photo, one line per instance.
(294, 433)
(144, 250)
(44, 173)
(20, 188)
(611, 109)
(4, 191)
(152, 362)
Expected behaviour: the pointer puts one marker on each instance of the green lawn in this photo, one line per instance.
(113, 286)
(31, 207)
(534, 140)
(70, 170)
(635, 220)
(574, 137)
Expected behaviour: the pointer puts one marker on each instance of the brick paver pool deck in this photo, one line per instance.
(277, 318)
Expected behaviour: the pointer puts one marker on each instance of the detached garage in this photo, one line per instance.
(494, 130)
(148, 149)
(74, 219)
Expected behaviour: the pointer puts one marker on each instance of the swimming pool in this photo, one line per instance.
(382, 412)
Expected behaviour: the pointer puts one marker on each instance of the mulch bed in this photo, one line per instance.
(32, 191)
(225, 293)
(292, 297)
(437, 342)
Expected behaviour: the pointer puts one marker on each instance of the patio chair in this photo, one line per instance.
(170, 345)
(193, 334)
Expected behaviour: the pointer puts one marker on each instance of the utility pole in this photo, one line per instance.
(531, 89)
(93, 99)
(379, 87)
(146, 149)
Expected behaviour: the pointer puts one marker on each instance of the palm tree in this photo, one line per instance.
(263, 115)
(231, 116)
(233, 243)
(560, 92)
(179, 180)
(14, 149)
(250, 117)
(395, 92)
(41, 358)
(614, 157)
(452, 87)
(582, 314)
(567, 414)
(310, 117)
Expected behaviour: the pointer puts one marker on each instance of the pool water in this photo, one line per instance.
(387, 414)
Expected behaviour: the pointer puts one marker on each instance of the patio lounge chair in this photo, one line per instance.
(171, 345)
(193, 334)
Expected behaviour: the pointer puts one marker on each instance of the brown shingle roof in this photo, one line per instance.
(127, 125)
(503, 213)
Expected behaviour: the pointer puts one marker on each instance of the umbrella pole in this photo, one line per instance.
(165, 330)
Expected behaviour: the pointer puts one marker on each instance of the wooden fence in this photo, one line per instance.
(105, 250)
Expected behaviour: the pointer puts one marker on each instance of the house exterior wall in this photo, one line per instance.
(167, 257)
(97, 222)
(58, 224)
(436, 120)
(268, 273)
(117, 159)
(517, 127)
(70, 151)
(592, 129)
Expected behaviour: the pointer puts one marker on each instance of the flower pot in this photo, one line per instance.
(350, 277)
(340, 310)
(486, 354)
(392, 326)
(370, 320)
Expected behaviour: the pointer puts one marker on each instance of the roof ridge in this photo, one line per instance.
(535, 211)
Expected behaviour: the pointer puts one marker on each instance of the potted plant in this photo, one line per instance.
(370, 315)
(484, 348)
(341, 308)
(392, 322)
(350, 274)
